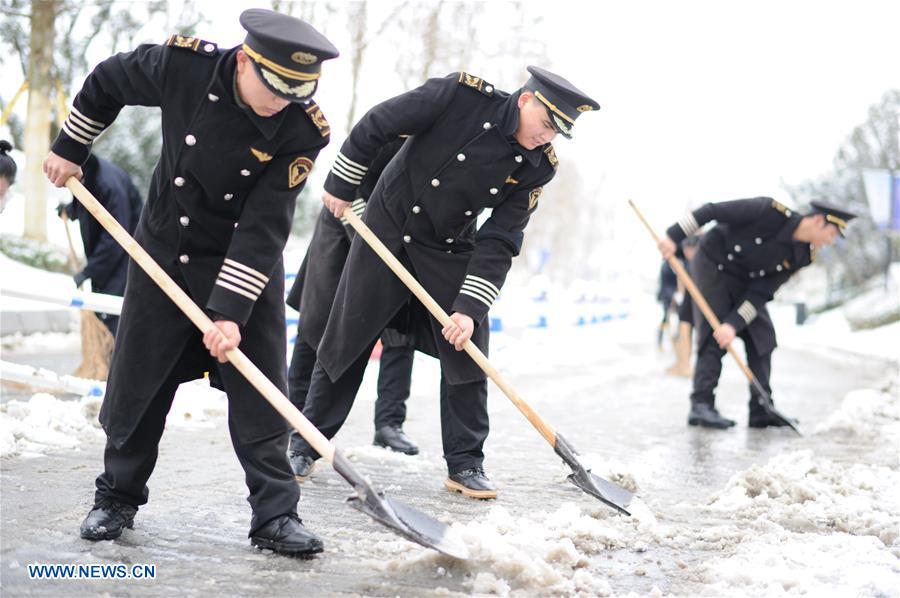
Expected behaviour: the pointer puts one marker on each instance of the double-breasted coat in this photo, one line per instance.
(217, 218)
(753, 253)
(460, 159)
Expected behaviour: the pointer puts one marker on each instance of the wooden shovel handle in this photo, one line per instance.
(437, 311)
(196, 315)
(688, 283)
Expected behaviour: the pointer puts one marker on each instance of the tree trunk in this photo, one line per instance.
(37, 124)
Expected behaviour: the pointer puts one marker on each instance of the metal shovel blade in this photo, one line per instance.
(410, 523)
(765, 401)
(612, 494)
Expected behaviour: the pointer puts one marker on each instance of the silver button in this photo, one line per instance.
(184, 258)
(235, 225)
(208, 48)
(184, 220)
(179, 181)
(468, 212)
(788, 213)
(730, 257)
(416, 209)
(762, 272)
(753, 275)
(245, 172)
(758, 241)
(407, 238)
(494, 191)
(519, 159)
(213, 97)
(228, 196)
(720, 267)
(435, 182)
(460, 157)
(190, 140)
(489, 88)
(737, 248)
(779, 267)
(486, 126)
(449, 240)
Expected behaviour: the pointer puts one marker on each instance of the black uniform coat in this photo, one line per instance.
(217, 218)
(107, 262)
(460, 159)
(317, 280)
(753, 253)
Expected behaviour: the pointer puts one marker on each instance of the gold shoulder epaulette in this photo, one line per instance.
(315, 115)
(781, 208)
(551, 156)
(476, 83)
(195, 44)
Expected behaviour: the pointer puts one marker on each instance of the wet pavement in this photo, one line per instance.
(615, 406)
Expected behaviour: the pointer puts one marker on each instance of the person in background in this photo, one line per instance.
(8, 171)
(756, 246)
(682, 345)
(107, 261)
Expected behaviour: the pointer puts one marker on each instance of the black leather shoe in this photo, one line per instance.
(472, 483)
(301, 465)
(763, 419)
(286, 535)
(393, 437)
(107, 520)
(706, 416)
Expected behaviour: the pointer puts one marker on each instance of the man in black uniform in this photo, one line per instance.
(107, 262)
(755, 247)
(240, 135)
(312, 294)
(470, 147)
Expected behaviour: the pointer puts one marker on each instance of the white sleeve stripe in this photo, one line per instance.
(75, 135)
(235, 289)
(74, 126)
(353, 182)
(349, 168)
(491, 285)
(477, 285)
(238, 275)
(689, 224)
(479, 291)
(345, 174)
(747, 311)
(253, 288)
(264, 279)
(480, 298)
(78, 113)
(350, 162)
(97, 129)
(358, 207)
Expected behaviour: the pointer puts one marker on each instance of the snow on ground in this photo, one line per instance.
(21, 276)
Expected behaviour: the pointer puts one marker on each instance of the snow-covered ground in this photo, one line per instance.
(812, 516)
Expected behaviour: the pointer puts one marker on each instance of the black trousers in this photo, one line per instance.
(394, 380)
(464, 418)
(709, 368)
(273, 490)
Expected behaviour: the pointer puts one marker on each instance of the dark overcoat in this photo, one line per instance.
(217, 217)
(461, 158)
(749, 253)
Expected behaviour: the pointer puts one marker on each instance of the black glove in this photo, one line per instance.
(79, 278)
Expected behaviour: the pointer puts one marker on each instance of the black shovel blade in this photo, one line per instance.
(765, 401)
(610, 493)
(410, 523)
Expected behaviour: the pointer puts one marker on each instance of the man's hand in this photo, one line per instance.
(58, 170)
(460, 331)
(724, 334)
(335, 206)
(667, 248)
(224, 337)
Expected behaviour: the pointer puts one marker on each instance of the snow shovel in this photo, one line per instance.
(765, 399)
(608, 492)
(406, 521)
